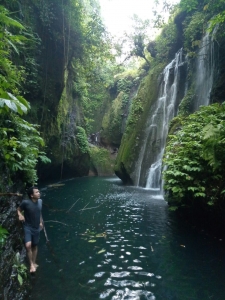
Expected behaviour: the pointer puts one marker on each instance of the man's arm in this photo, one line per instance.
(41, 223)
(21, 217)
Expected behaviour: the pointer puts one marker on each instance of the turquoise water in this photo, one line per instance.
(121, 242)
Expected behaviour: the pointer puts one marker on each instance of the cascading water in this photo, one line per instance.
(157, 129)
(205, 67)
(172, 90)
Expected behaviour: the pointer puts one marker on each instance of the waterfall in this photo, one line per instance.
(167, 100)
(157, 129)
(171, 91)
(205, 66)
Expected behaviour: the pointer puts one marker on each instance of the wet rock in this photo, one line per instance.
(10, 287)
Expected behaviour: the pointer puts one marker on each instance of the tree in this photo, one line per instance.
(136, 41)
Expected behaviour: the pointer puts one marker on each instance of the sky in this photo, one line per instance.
(116, 13)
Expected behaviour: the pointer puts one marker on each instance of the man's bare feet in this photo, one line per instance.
(32, 269)
(36, 266)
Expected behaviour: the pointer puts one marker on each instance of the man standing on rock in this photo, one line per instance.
(32, 224)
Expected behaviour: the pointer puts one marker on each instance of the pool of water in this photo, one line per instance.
(108, 241)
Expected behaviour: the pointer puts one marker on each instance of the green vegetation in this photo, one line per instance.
(193, 30)
(57, 55)
(21, 269)
(195, 159)
(165, 43)
(139, 112)
(82, 140)
(186, 105)
(208, 11)
(20, 142)
(101, 160)
(3, 236)
(64, 69)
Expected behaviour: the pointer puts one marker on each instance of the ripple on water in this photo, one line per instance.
(133, 295)
(136, 268)
(99, 274)
(120, 274)
(145, 274)
(108, 254)
(106, 293)
(125, 283)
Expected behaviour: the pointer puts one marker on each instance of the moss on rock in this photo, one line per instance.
(133, 137)
(101, 161)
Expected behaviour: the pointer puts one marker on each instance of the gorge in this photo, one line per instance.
(69, 109)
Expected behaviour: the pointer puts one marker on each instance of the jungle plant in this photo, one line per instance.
(3, 236)
(165, 41)
(193, 30)
(185, 107)
(214, 10)
(124, 85)
(20, 268)
(195, 159)
(82, 140)
(19, 140)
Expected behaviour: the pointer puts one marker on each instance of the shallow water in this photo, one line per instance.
(122, 243)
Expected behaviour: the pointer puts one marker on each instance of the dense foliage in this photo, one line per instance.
(19, 140)
(195, 159)
(65, 68)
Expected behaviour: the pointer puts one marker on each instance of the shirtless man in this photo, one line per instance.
(32, 224)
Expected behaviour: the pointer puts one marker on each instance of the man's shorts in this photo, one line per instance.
(31, 235)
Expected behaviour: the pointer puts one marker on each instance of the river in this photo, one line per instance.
(109, 241)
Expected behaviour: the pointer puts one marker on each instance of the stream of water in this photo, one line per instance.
(122, 243)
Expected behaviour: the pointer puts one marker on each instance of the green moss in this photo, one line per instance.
(186, 105)
(193, 30)
(82, 140)
(115, 118)
(175, 125)
(111, 123)
(101, 161)
(141, 105)
(166, 43)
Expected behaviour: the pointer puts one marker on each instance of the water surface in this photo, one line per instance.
(122, 243)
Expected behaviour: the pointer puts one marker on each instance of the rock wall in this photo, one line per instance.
(12, 253)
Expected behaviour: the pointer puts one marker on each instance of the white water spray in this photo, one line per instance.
(157, 130)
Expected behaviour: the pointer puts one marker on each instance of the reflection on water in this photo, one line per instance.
(121, 243)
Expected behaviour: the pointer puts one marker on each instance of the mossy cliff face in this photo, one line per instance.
(102, 161)
(115, 119)
(133, 137)
(69, 157)
(54, 79)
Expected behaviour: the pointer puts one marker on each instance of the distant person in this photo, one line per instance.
(32, 224)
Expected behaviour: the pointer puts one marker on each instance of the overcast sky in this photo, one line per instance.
(116, 13)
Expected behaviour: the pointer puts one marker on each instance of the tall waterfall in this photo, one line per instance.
(171, 91)
(157, 129)
(205, 67)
